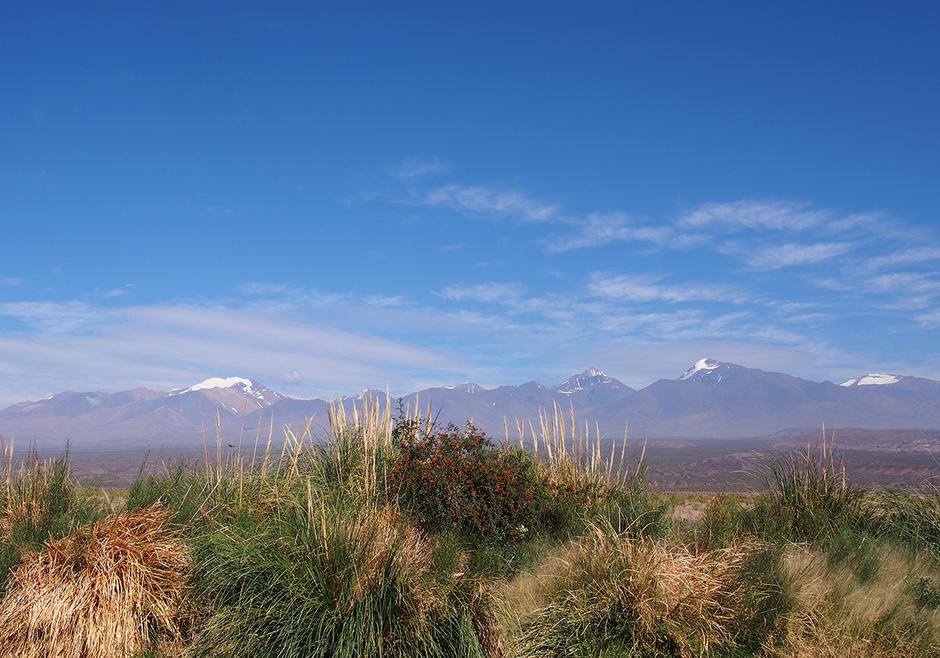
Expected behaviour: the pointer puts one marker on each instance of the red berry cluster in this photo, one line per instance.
(569, 494)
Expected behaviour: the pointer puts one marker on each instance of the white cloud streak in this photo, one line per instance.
(483, 201)
(790, 255)
(775, 215)
(55, 317)
(929, 320)
(598, 229)
(173, 345)
(646, 289)
(414, 168)
(485, 293)
(904, 257)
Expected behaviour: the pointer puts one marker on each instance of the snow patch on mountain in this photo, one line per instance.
(702, 365)
(873, 379)
(246, 385)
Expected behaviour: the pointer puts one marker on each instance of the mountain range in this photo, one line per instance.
(712, 399)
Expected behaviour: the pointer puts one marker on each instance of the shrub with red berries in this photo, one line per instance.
(458, 478)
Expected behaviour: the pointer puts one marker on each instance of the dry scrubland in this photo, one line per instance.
(396, 539)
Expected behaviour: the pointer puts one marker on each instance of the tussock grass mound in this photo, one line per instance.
(807, 496)
(108, 590)
(318, 581)
(910, 517)
(624, 596)
(835, 613)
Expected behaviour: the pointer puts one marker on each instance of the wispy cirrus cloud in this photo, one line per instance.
(261, 287)
(56, 317)
(790, 255)
(598, 229)
(414, 168)
(835, 251)
(911, 282)
(488, 202)
(115, 293)
(11, 281)
(486, 293)
(386, 301)
(680, 324)
(903, 257)
(929, 320)
(619, 307)
(775, 215)
(635, 288)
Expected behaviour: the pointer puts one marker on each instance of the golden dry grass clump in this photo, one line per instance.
(106, 591)
(834, 614)
(637, 595)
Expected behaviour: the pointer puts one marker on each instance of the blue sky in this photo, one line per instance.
(405, 195)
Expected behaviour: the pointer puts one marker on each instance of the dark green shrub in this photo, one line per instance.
(564, 506)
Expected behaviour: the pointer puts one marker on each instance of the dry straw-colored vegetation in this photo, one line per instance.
(105, 590)
(306, 546)
(670, 598)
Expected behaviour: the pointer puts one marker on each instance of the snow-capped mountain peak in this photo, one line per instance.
(584, 380)
(219, 382)
(705, 365)
(873, 379)
(242, 385)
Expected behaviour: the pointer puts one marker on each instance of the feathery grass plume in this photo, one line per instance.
(108, 590)
(572, 453)
(361, 444)
(625, 596)
(588, 481)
